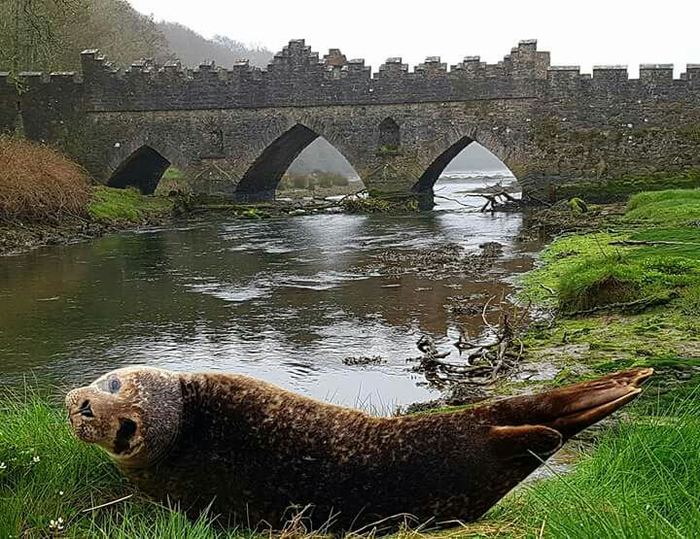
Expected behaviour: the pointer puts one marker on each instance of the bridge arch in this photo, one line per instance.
(451, 149)
(143, 169)
(261, 179)
(141, 163)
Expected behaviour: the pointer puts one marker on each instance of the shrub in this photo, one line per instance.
(38, 184)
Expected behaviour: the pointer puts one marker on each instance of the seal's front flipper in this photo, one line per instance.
(523, 440)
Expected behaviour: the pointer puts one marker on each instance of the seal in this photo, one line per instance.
(251, 452)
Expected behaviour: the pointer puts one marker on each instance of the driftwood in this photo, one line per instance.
(480, 363)
(492, 199)
(442, 197)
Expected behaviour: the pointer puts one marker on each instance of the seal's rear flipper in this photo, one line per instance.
(569, 409)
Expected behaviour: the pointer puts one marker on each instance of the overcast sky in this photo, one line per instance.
(578, 33)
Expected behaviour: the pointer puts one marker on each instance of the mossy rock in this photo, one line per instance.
(578, 205)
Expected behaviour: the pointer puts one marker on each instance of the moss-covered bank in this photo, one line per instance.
(631, 293)
(106, 210)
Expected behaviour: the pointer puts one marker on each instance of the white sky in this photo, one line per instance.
(579, 33)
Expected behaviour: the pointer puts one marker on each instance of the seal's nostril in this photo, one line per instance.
(85, 409)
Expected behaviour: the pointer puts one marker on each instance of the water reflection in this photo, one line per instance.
(283, 299)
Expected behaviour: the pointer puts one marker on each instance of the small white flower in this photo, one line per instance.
(60, 493)
(35, 459)
(117, 145)
(57, 525)
(3, 466)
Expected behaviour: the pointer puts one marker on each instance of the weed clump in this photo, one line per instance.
(40, 185)
(380, 204)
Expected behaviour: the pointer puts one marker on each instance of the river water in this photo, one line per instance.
(283, 299)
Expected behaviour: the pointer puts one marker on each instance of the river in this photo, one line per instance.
(282, 299)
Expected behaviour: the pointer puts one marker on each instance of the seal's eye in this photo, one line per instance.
(114, 385)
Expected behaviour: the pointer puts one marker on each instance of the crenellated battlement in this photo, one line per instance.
(299, 76)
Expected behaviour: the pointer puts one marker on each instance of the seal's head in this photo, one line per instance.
(133, 413)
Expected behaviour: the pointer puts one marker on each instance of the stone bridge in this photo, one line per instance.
(235, 131)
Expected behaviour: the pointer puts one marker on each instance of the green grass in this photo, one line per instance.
(48, 474)
(115, 206)
(643, 480)
(673, 206)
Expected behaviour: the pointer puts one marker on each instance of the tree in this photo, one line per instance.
(30, 32)
(48, 35)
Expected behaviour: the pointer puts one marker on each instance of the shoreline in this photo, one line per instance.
(20, 238)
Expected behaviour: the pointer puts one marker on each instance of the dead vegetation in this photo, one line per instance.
(40, 185)
(363, 360)
(437, 262)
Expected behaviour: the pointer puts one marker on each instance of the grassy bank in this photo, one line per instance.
(50, 483)
(621, 188)
(45, 198)
(643, 480)
(628, 295)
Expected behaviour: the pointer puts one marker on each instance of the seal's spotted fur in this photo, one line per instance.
(253, 450)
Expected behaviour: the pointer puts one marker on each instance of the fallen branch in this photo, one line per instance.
(483, 363)
(659, 242)
(644, 302)
(493, 200)
(547, 288)
(454, 200)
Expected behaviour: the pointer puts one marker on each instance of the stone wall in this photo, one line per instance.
(233, 130)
